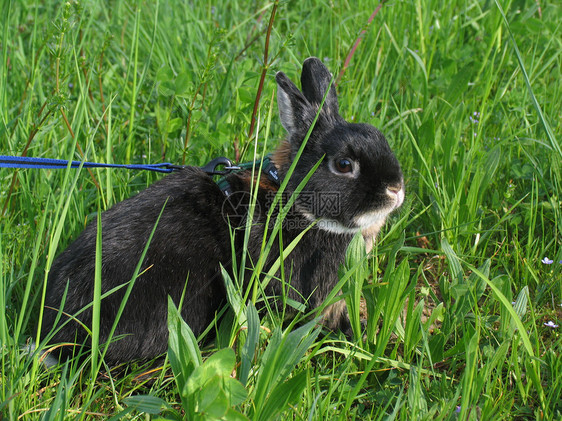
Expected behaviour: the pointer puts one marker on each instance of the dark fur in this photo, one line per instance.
(192, 237)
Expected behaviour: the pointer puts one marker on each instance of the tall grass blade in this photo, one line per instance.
(96, 299)
(546, 126)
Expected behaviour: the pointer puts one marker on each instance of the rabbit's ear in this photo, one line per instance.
(315, 80)
(295, 111)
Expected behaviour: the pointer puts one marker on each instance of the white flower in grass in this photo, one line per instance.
(551, 324)
(547, 261)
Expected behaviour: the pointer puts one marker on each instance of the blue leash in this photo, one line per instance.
(47, 163)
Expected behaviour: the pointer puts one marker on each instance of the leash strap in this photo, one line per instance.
(48, 163)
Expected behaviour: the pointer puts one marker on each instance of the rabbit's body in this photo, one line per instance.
(188, 196)
(357, 184)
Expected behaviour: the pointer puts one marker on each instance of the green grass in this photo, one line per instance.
(456, 291)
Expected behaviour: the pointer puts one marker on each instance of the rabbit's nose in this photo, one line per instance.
(397, 193)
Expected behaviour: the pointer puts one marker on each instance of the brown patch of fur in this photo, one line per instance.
(370, 234)
(282, 156)
(264, 183)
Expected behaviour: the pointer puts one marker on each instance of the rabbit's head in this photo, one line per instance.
(359, 181)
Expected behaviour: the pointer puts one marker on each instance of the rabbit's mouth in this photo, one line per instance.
(395, 196)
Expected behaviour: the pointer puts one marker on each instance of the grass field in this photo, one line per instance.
(463, 292)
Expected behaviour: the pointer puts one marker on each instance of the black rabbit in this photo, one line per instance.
(356, 186)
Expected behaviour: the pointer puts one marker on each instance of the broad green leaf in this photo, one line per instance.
(146, 403)
(175, 124)
(283, 396)
(459, 84)
(413, 334)
(249, 348)
(166, 88)
(354, 268)
(454, 263)
(234, 296)
(181, 84)
(235, 391)
(280, 358)
(211, 399)
(233, 415)
(164, 74)
(220, 364)
(183, 351)
(426, 132)
(520, 307)
(509, 307)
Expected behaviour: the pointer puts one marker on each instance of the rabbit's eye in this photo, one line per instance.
(343, 165)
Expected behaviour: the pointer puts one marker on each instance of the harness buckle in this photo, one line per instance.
(211, 167)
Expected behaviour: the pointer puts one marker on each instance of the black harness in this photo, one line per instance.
(267, 168)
